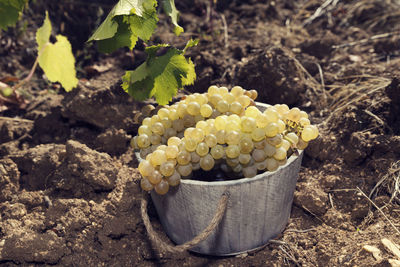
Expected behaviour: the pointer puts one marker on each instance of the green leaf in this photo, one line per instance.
(142, 27)
(56, 59)
(170, 10)
(190, 43)
(43, 33)
(121, 39)
(159, 76)
(10, 11)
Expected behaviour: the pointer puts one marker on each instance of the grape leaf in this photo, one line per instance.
(141, 18)
(56, 59)
(170, 10)
(10, 11)
(159, 76)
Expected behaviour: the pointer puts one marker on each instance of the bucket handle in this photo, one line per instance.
(222, 204)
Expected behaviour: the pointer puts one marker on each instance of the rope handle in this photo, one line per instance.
(215, 221)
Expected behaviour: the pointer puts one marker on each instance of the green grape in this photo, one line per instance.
(232, 151)
(215, 114)
(133, 143)
(158, 157)
(253, 94)
(258, 134)
(158, 128)
(198, 135)
(196, 166)
(198, 118)
(282, 162)
(260, 144)
(237, 91)
(195, 157)
(169, 132)
(246, 144)
(276, 140)
(244, 100)
(178, 125)
(173, 114)
(188, 121)
(304, 122)
(292, 137)
(162, 147)
(173, 141)
(232, 126)
(214, 99)
(206, 110)
(201, 125)
(229, 98)
(220, 122)
(238, 168)
(293, 114)
(166, 122)
(217, 152)
(144, 152)
(143, 141)
(303, 114)
(220, 136)
(202, 149)
(235, 107)
(232, 138)
(145, 168)
(207, 162)
(154, 119)
(146, 121)
(280, 153)
(252, 112)
(146, 185)
(155, 139)
(167, 168)
(272, 164)
(190, 144)
(183, 157)
(212, 90)
(163, 113)
(272, 114)
(234, 118)
(285, 144)
(309, 132)
(185, 170)
(248, 124)
(250, 171)
(301, 144)
(201, 99)
(171, 152)
(144, 129)
(281, 126)
(232, 162)
(188, 132)
(244, 158)
(223, 90)
(269, 150)
(210, 140)
(262, 165)
(193, 108)
(181, 110)
(262, 120)
(315, 131)
(258, 155)
(174, 179)
(271, 129)
(162, 187)
(155, 177)
(281, 109)
(210, 129)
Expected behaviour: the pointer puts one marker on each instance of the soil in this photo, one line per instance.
(69, 193)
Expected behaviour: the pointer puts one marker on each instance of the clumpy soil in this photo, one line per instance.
(69, 193)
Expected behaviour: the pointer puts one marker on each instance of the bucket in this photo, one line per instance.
(258, 209)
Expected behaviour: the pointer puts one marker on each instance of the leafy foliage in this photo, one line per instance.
(10, 11)
(159, 76)
(170, 10)
(56, 59)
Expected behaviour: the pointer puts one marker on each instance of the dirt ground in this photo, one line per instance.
(68, 179)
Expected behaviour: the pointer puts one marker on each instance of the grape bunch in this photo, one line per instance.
(218, 129)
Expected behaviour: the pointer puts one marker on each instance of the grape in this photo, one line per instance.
(232, 151)
(238, 168)
(155, 139)
(181, 110)
(258, 134)
(223, 90)
(220, 122)
(212, 90)
(201, 125)
(262, 165)
(262, 120)
(272, 114)
(252, 112)
(281, 126)
(174, 141)
(166, 122)
(309, 132)
(232, 126)
(195, 157)
(207, 162)
(174, 179)
(281, 109)
(158, 157)
(146, 110)
(258, 155)
(217, 152)
(133, 143)
(248, 124)
(253, 94)
(167, 168)
(220, 137)
(235, 107)
(271, 130)
(201, 99)
(232, 138)
(143, 141)
(237, 91)
(293, 114)
(163, 113)
(244, 100)
(154, 119)
(280, 153)
(197, 135)
(144, 129)
(190, 144)
(302, 144)
(214, 99)
(146, 185)
(232, 162)
(185, 170)
(244, 158)
(292, 137)
(196, 166)
(173, 114)
(210, 140)
(276, 140)
(144, 152)
(183, 157)
(260, 144)
(315, 131)
(178, 125)
(246, 144)
(269, 150)
(202, 149)
(158, 128)
(271, 164)
(229, 98)
(155, 177)
(193, 108)
(188, 121)
(198, 118)
(145, 168)
(303, 114)
(285, 144)
(250, 171)
(162, 187)
(206, 110)
(169, 132)
(147, 122)
(171, 152)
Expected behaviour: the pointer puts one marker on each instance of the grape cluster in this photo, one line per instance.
(218, 129)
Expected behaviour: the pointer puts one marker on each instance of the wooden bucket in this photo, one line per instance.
(258, 209)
